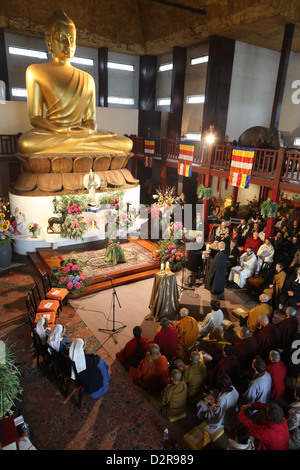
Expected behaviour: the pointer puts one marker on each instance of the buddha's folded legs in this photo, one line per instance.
(32, 142)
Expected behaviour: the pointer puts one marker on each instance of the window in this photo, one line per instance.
(118, 66)
(192, 136)
(163, 101)
(19, 92)
(27, 52)
(297, 141)
(120, 100)
(194, 99)
(82, 61)
(199, 60)
(165, 67)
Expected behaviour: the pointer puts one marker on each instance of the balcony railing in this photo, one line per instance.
(264, 166)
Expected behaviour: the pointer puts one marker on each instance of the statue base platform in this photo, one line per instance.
(40, 209)
(58, 173)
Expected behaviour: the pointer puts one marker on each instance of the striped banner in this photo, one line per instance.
(186, 151)
(149, 146)
(185, 159)
(241, 166)
(148, 161)
(184, 169)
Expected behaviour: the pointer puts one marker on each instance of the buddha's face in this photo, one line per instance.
(63, 41)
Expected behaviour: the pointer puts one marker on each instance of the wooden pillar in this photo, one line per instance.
(281, 76)
(103, 76)
(218, 81)
(177, 93)
(207, 184)
(270, 227)
(163, 175)
(3, 62)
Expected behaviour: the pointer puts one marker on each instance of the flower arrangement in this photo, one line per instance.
(175, 230)
(70, 203)
(73, 227)
(8, 222)
(203, 192)
(170, 252)
(166, 199)
(69, 275)
(33, 228)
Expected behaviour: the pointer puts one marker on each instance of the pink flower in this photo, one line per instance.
(77, 285)
(82, 276)
(75, 267)
(70, 285)
(67, 269)
(62, 279)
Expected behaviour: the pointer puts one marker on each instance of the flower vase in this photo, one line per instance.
(33, 235)
(5, 254)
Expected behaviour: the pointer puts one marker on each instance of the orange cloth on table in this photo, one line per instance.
(152, 373)
(51, 320)
(48, 305)
(187, 334)
(62, 293)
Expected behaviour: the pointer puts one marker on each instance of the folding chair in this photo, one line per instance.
(54, 293)
(44, 305)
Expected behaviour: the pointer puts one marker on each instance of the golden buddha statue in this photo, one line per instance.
(64, 143)
(68, 94)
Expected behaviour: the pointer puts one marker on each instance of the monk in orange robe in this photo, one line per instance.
(153, 371)
(187, 333)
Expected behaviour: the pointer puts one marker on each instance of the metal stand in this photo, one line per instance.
(114, 330)
(182, 287)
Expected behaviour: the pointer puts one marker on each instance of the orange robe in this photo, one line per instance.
(187, 334)
(152, 373)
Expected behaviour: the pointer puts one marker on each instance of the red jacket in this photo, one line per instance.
(270, 436)
(277, 371)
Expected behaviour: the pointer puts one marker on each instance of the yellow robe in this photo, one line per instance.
(187, 334)
(194, 376)
(278, 281)
(256, 313)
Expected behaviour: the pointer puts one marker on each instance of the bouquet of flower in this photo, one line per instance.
(33, 228)
(166, 199)
(74, 208)
(69, 275)
(175, 231)
(71, 203)
(73, 227)
(8, 223)
(170, 252)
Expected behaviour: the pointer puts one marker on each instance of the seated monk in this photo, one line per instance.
(68, 95)
(166, 338)
(135, 350)
(152, 374)
(187, 333)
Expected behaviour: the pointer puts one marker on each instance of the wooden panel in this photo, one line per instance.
(102, 163)
(118, 161)
(26, 182)
(62, 164)
(83, 164)
(39, 164)
(73, 181)
(49, 182)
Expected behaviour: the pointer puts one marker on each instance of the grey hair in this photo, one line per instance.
(184, 312)
(274, 355)
(290, 311)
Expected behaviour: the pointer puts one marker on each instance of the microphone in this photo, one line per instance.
(108, 277)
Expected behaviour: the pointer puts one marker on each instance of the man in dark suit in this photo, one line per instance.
(217, 271)
(290, 292)
(232, 255)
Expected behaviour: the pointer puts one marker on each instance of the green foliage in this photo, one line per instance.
(268, 208)
(203, 192)
(10, 389)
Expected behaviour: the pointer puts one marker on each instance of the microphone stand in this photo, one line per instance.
(114, 330)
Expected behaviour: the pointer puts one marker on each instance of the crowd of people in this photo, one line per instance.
(250, 386)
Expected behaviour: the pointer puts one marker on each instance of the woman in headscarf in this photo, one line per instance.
(92, 371)
(42, 329)
(58, 340)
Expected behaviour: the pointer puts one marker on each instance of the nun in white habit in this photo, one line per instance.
(58, 340)
(42, 330)
(92, 371)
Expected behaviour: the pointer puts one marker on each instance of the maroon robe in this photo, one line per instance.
(166, 339)
(133, 352)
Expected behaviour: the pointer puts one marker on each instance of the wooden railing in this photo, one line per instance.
(264, 166)
(8, 144)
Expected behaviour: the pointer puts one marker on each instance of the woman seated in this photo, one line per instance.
(58, 340)
(91, 369)
(42, 329)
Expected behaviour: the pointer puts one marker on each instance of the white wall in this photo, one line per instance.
(253, 83)
(289, 123)
(14, 119)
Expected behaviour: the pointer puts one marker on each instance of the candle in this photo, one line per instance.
(167, 267)
(162, 268)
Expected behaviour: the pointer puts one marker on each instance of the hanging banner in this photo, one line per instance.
(185, 159)
(149, 146)
(241, 166)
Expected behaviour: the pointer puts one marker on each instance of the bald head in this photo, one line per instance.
(194, 357)
(175, 376)
(183, 312)
(154, 349)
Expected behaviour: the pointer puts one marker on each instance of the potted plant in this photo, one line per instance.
(203, 192)
(8, 227)
(10, 389)
(268, 209)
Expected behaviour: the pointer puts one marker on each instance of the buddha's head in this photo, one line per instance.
(60, 35)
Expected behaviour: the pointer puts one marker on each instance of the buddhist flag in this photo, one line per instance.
(148, 161)
(149, 146)
(241, 166)
(185, 159)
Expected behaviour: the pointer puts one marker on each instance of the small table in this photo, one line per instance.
(164, 300)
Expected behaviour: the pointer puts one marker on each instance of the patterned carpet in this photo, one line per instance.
(94, 261)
